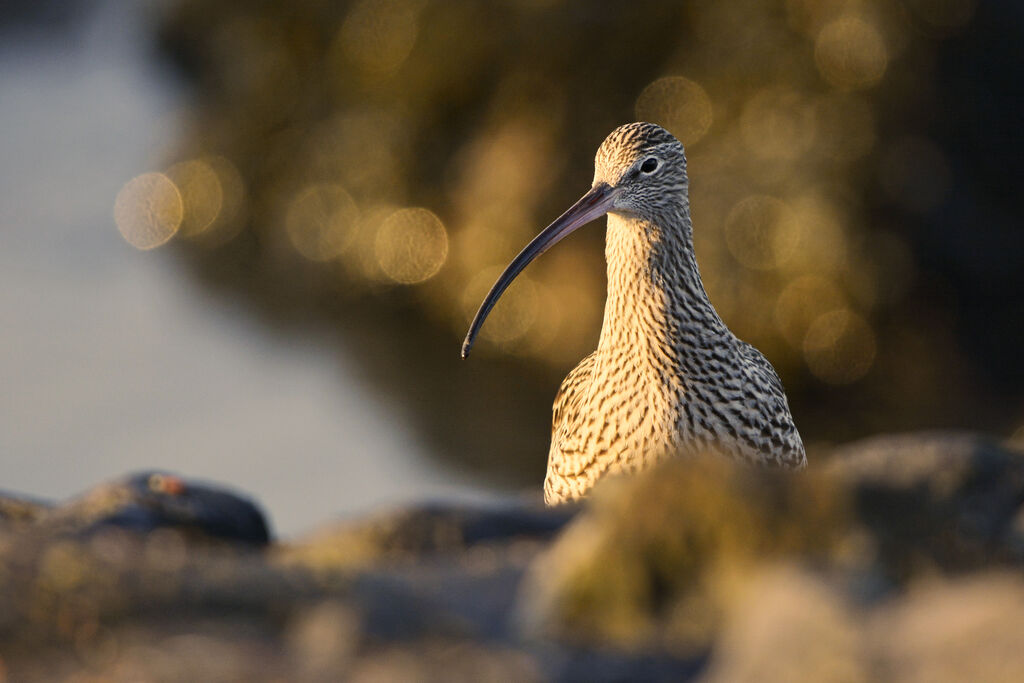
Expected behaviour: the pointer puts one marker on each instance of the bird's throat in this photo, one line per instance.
(655, 294)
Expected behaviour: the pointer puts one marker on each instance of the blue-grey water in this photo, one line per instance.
(112, 359)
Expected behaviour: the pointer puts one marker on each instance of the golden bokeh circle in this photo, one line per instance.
(679, 105)
(515, 313)
(761, 232)
(839, 347)
(777, 123)
(148, 210)
(850, 53)
(321, 221)
(823, 243)
(801, 302)
(231, 219)
(201, 194)
(411, 245)
(378, 35)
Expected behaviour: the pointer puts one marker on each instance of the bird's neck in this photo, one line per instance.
(656, 307)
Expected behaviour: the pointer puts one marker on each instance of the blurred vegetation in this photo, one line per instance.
(656, 559)
(374, 164)
(663, 558)
(899, 560)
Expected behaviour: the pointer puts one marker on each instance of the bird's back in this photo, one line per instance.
(739, 407)
(779, 442)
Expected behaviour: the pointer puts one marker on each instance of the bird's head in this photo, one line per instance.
(640, 170)
(644, 168)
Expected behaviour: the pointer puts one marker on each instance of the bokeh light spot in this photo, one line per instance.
(850, 53)
(230, 220)
(506, 165)
(148, 210)
(803, 301)
(679, 105)
(378, 35)
(777, 124)
(823, 243)
(491, 235)
(515, 312)
(411, 245)
(360, 258)
(321, 221)
(839, 347)
(761, 232)
(201, 195)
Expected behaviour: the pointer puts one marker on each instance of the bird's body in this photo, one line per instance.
(667, 376)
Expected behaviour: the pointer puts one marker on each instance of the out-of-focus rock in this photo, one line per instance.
(442, 661)
(935, 501)
(788, 624)
(323, 640)
(433, 529)
(143, 502)
(947, 631)
(794, 626)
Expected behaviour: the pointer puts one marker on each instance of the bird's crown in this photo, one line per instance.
(629, 141)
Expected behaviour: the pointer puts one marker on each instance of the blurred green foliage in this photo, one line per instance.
(380, 161)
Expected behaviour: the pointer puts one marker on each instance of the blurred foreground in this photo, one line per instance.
(898, 559)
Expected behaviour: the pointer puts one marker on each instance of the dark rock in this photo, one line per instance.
(143, 502)
(431, 529)
(943, 500)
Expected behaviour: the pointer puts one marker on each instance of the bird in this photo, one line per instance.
(668, 376)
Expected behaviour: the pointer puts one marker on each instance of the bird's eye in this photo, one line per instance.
(649, 165)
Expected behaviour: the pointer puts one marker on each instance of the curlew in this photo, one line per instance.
(667, 376)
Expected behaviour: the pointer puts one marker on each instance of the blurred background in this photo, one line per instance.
(244, 240)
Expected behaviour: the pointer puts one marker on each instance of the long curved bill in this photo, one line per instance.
(593, 204)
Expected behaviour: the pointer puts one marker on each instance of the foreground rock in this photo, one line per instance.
(896, 558)
(143, 502)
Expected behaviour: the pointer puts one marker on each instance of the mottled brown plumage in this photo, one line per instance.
(668, 376)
